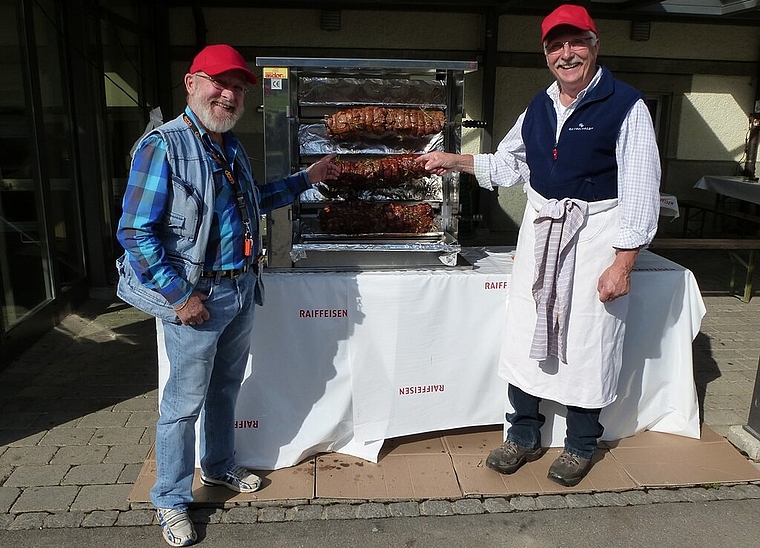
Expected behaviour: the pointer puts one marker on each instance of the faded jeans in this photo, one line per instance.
(206, 367)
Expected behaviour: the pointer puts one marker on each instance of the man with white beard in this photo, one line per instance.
(193, 255)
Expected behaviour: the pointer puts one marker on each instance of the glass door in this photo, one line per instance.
(23, 254)
(40, 232)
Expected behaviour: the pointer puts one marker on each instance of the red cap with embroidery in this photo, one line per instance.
(218, 58)
(568, 14)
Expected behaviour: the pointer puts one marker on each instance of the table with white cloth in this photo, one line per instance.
(741, 188)
(341, 361)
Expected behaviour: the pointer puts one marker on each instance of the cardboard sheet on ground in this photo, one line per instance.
(341, 361)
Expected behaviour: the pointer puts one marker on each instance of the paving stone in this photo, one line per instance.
(67, 436)
(5, 521)
(699, 494)
(436, 508)
(149, 437)
(329, 502)
(138, 404)
(54, 419)
(497, 505)
(84, 454)
(667, 495)
(467, 507)
(127, 454)
(133, 518)
(609, 499)
(372, 510)
(16, 421)
(146, 419)
(100, 518)
(8, 496)
(102, 497)
(550, 502)
(21, 438)
(580, 500)
(32, 520)
(340, 511)
(18, 456)
(117, 436)
(103, 419)
(522, 504)
(750, 490)
(207, 515)
(130, 473)
(269, 515)
(307, 512)
(403, 509)
(729, 492)
(635, 498)
(45, 499)
(93, 474)
(287, 503)
(37, 476)
(243, 514)
(63, 520)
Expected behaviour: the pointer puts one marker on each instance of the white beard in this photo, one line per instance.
(215, 120)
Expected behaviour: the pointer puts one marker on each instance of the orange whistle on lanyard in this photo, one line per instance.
(248, 247)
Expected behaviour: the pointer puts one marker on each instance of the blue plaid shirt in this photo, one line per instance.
(145, 201)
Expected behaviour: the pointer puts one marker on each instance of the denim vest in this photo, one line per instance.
(187, 223)
(582, 163)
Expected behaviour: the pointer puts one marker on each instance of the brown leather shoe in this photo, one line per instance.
(510, 456)
(569, 469)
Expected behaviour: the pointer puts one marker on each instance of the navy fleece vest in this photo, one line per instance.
(582, 163)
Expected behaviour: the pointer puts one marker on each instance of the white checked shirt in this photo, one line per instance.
(637, 158)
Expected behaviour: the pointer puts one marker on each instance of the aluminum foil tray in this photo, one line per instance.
(437, 252)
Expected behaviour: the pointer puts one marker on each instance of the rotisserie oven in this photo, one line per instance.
(385, 210)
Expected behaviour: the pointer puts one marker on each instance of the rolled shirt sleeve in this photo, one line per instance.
(639, 174)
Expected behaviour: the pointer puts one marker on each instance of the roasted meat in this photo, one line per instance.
(373, 120)
(358, 217)
(383, 172)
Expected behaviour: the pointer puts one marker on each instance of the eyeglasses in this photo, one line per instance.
(576, 44)
(221, 85)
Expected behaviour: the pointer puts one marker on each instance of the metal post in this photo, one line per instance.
(753, 422)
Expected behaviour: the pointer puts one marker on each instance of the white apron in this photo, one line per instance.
(595, 330)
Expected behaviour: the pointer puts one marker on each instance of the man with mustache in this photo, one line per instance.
(193, 255)
(586, 149)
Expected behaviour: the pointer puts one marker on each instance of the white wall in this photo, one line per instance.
(707, 113)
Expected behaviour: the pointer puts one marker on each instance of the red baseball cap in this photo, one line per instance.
(218, 58)
(568, 14)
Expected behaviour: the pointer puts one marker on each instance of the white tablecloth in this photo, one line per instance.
(341, 361)
(737, 187)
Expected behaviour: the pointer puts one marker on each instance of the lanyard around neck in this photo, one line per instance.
(239, 196)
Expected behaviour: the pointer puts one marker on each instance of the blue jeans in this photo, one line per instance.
(206, 367)
(583, 426)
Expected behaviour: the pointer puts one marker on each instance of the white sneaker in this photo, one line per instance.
(237, 478)
(176, 526)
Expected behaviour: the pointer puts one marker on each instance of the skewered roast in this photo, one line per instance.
(374, 120)
(378, 172)
(358, 217)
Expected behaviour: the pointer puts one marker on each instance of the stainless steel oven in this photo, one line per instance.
(376, 115)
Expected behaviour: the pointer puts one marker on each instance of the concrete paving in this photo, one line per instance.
(78, 411)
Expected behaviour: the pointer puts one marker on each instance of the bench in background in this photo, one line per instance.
(732, 245)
